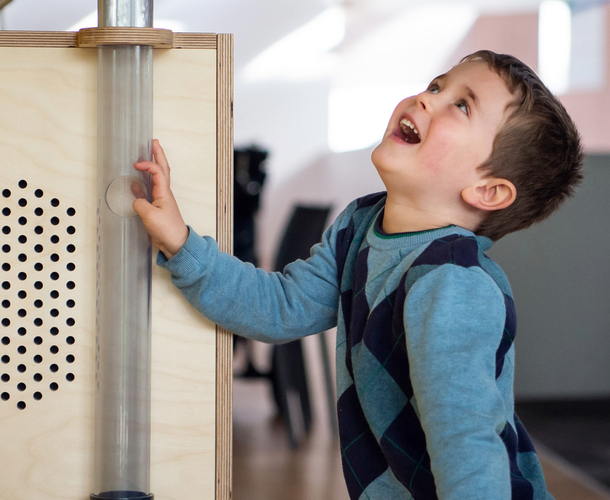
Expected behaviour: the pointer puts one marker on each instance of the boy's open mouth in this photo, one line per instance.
(409, 133)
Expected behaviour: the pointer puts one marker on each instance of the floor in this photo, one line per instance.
(265, 468)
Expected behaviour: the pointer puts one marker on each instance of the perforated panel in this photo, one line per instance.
(38, 295)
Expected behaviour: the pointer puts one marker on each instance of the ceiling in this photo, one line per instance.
(256, 24)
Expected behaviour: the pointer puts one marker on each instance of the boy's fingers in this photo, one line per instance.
(160, 157)
(159, 178)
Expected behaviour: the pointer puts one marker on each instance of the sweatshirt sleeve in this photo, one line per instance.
(454, 319)
(270, 307)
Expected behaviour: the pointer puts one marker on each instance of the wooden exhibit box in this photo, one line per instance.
(48, 259)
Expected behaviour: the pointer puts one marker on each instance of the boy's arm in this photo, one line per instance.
(454, 319)
(271, 307)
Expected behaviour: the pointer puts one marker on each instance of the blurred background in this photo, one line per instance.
(315, 83)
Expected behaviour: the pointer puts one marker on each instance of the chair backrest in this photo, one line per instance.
(303, 231)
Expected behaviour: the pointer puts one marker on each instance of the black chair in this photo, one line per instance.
(288, 372)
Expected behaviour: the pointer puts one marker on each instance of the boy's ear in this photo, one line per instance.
(490, 194)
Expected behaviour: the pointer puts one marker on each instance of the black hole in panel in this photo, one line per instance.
(6, 359)
(38, 211)
(70, 377)
(6, 230)
(22, 294)
(6, 322)
(70, 285)
(37, 377)
(5, 396)
(71, 248)
(38, 285)
(38, 322)
(70, 229)
(22, 276)
(38, 303)
(23, 184)
(38, 266)
(6, 266)
(22, 239)
(54, 257)
(54, 239)
(54, 294)
(38, 340)
(6, 193)
(38, 230)
(70, 358)
(37, 396)
(71, 266)
(6, 303)
(54, 276)
(21, 386)
(38, 248)
(55, 220)
(22, 202)
(38, 193)
(54, 349)
(54, 386)
(70, 303)
(6, 211)
(70, 340)
(22, 221)
(5, 377)
(71, 211)
(6, 285)
(21, 405)
(21, 368)
(22, 331)
(22, 349)
(54, 330)
(70, 322)
(6, 248)
(6, 340)
(38, 358)
(54, 368)
(22, 313)
(54, 313)
(22, 257)
(55, 202)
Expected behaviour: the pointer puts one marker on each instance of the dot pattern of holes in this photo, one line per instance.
(37, 294)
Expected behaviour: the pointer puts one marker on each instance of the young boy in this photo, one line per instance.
(425, 319)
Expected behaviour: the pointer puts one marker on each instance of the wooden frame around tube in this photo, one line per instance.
(223, 44)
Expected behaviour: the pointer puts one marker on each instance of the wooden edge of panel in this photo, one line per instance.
(54, 39)
(70, 39)
(157, 38)
(224, 236)
(195, 40)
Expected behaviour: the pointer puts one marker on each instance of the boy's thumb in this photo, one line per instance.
(142, 207)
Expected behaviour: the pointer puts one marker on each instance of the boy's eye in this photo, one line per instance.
(463, 106)
(433, 88)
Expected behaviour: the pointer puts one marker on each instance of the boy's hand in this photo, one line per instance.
(162, 217)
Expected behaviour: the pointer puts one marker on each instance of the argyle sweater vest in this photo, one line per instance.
(383, 445)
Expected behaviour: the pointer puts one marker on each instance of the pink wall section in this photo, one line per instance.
(515, 34)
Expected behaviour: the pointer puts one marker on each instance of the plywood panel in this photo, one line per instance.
(47, 139)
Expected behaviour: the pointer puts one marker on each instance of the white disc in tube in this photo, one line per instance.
(122, 192)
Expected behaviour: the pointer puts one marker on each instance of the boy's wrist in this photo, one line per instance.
(173, 247)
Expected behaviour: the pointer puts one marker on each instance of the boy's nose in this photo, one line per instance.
(423, 100)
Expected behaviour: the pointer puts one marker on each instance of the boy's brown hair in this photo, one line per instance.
(538, 149)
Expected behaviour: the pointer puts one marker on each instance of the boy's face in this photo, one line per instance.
(456, 119)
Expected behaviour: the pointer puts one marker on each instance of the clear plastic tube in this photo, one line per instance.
(124, 257)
